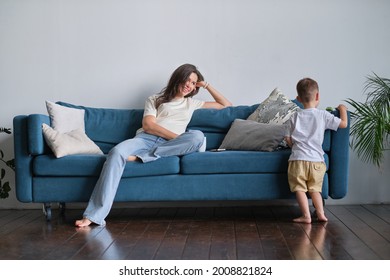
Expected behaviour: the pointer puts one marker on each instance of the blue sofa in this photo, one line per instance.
(228, 175)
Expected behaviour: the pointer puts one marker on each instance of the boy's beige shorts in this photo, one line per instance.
(306, 176)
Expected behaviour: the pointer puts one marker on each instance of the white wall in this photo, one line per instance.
(114, 53)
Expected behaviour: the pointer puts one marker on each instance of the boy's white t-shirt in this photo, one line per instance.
(306, 129)
(174, 115)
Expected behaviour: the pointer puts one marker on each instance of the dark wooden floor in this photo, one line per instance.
(259, 232)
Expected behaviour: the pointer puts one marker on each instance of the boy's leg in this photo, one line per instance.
(297, 174)
(304, 206)
(317, 201)
(317, 171)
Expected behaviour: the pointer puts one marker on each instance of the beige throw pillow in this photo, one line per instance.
(65, 119)
(69, 143)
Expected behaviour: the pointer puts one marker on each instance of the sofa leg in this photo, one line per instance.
(47, 211)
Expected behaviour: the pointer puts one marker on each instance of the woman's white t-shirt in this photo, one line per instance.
(174, 115)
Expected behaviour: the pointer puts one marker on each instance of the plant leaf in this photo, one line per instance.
(11, 163)
(4, 190)
(378, 93)
(368, 132)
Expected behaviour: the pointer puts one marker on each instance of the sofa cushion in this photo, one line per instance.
(236, 162)
(218, 121)
(213, 140)
(109, 125)
(91, 165)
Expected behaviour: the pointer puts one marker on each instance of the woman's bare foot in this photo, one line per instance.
(303, 219)
(83, 230)
(83, 223)
(132, 158)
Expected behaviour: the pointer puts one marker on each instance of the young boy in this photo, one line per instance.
(305, 134)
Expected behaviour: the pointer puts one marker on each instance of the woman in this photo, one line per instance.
(163, 134)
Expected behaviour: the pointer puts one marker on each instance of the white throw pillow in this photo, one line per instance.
(69, 143)
(276, 109)
(65, 119)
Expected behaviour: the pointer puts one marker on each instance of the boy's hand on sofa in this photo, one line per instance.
(288, 141)
(342, 107)
(343, 116)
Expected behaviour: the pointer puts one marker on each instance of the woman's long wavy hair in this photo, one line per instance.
(176, 82)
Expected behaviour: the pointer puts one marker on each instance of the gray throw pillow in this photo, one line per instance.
(253, 136)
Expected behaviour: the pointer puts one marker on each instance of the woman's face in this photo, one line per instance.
(190, 85)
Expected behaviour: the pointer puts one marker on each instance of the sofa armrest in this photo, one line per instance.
(28, 142)
(23, 160)
(36, 141)
(339, 161)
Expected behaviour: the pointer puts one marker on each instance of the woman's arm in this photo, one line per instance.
(150, 126)
(220, 100)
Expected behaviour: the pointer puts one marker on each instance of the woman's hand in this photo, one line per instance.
(201, 84)
(220, 101)
(150, 126)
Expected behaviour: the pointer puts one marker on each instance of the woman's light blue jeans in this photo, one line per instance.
(145, 146)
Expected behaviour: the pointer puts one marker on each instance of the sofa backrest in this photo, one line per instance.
(107, 127)
(216, 123)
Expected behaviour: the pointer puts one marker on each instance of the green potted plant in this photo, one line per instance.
(4, 186)
(370, 126)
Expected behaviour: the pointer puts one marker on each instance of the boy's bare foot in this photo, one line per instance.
(321, 217)
(83, 223)
(303, 219)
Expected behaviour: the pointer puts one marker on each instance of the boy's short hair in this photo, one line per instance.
(307, 89)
